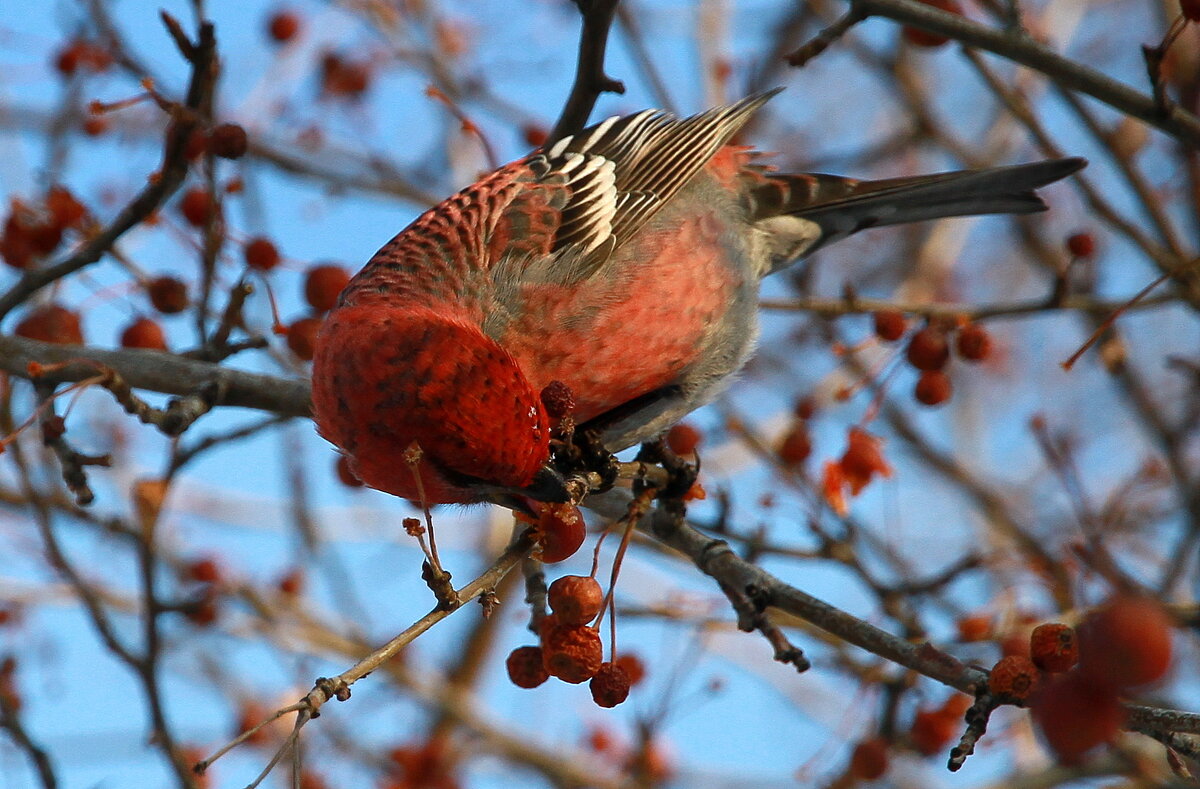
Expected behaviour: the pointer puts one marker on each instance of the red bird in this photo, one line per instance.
(623, 261)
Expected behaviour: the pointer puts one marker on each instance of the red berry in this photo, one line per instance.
(302, 337)
(1014, 676)
(870, 759)
(1054, 647)
(535, 135)
(52, 323)
(1081, 245)
(610, 685)
(261, 254)
(933, 388)
(634, 668)
(928, 350)
(204, 570)
(84, 55)
(805, 407)
(931, 731)
(228, 141)
(683, 439)
(526, 668)
(95, 125)
(573, 654)
(340, 77)
(924, 38)
(144, 333)
(561, 531)
(1126, 643)
(558, 400)
(346, 474)
(63, 207)
(283, 26)
(973, 343)
(974, 628)
(890, 325)
(197, 206)
(862, 459)
(291, 583)
(796, 445)
(168, 294)
(1076, 714)
(323, 284)
(576, 599)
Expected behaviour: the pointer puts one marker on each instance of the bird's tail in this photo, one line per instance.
(842, 206)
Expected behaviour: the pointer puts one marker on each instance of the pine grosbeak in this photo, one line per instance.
(623, 261)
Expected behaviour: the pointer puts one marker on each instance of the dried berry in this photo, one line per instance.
(890, 325)
(144, 333)
(1013, 676)
(168, 294)
(973, 343)
(1054, 647)
(928, 350)
(634, 668)
(974, 628)
(610, 685)
(561, 531)
(197, 206)
(573, 654)
(525, 667)
(933, 388)
(684, 439)
(558, 400)
(323, 284)
(869, 761)
(931, 731)
(228, 141)
(576, 599)
(205, 570)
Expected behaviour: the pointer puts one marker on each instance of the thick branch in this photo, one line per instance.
(590, 79)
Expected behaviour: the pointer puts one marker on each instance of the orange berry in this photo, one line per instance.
(228, 141)
(323, 284)
(283, 26)
(931, 731)
(933, 388)
(95, 125)
(561, 531)
(973, 343)
(197, 206)
(1054, 647)
(1076, 714)
(869, 760)
(610, 685)
(862, 459)
(302, 337)
(1126, 642)
(928, 350)
(890, 325)
(535, 135)
(634, 668)
(261, 254)
(575, 599)
(1081, 245)
(526, 668)
(168, 294)
(573, 654)
(144, 333)
(796, 445)
(1014, 676)
(974, 628)
(683, 439)
(52, 323)
(924, 38)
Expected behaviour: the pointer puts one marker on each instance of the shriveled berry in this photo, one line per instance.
(933, 388)
(283, 26)
(197, 206)
(573, 654)
(684, 439)
(890, 325)
(52, 323)
(869, 760)
(928, 350)
(302, 337)
(526, 668)
(1014, 676)
(973, 343)
(796, 445)
(634, 668)
(1081, 244)
(1126, 642)
(576, 599)
(925, 38)
(323, 284)
(345, 474)
(862, 459)
(228, 141)
(1076, 714)
(144, 333)
(1054, 647)
(168, 294)
(561, 530)
(558, 400)
(610, 685)
(261, 254)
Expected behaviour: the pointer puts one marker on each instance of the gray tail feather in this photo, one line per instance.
(841, 206)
